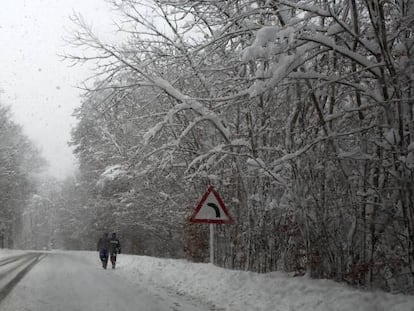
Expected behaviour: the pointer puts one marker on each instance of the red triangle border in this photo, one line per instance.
(211, 221)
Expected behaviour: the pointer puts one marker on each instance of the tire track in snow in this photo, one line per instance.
(28, 262)
(8, 260)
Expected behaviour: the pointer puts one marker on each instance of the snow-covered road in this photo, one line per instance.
(74, 280)
(69, 282)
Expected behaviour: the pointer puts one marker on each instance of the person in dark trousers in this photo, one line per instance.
(103, 249)
(114, 248)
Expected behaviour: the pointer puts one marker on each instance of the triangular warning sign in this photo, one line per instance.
(211, 209)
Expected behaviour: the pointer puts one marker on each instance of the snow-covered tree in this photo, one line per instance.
(19, 161)
(300, 111)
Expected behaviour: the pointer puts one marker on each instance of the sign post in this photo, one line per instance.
(211, 243)
(211, 210)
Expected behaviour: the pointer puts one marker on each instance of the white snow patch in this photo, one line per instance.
(409, 160)
(257, 163)
(4, 252)
(393, 137)
(113, 172)
(240, 290)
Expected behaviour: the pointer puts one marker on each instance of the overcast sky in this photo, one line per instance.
(34, 81)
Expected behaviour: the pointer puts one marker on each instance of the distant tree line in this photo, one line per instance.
(20, 161)
(299, 112)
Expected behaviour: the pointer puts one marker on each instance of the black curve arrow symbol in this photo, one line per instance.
(216, 209)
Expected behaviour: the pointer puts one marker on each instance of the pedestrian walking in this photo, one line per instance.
(103, 249)
(114, 248)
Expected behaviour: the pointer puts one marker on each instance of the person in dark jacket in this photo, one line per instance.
(114, 248)
(103, 249)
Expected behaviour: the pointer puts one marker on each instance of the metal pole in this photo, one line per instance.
(212, 244)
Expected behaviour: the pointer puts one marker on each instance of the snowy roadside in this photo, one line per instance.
(246, 291)
(231, 290)
(4, 252)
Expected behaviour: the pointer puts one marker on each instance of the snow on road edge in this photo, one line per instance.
(247, 291)
(4, 252)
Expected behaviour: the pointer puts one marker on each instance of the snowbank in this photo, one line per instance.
(4, 252)
(246, 291)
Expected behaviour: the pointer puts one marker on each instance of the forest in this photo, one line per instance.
(20, 161)
(299, 112)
